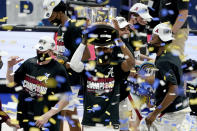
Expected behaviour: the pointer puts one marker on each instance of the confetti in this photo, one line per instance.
(52, 98)
(52, 121)
(106, 112)
(34, 129)
(60, 79)
(14, 99)
(32, 123)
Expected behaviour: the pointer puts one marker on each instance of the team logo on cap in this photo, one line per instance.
(136, 8)
(157, 31)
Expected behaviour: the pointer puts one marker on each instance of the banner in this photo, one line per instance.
(24, 12)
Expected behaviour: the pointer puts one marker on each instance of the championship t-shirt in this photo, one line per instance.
(39, 84)
(170, 72)
(101, 94)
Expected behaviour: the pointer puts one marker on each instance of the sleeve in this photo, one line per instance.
(76, 63)
(3, 115)
(119, 72)
(182, 5)
(167, 73)
(19, 74)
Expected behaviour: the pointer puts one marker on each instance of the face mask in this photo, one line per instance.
(1, 64)
(153, 48)
(104, 58)
(125, 36)
(56, 22)
(42, 57)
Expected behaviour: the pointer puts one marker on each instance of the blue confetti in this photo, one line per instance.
(155, 19)
(19, 64)
(47, 124)
(101, 53)
(78, 40)
(151, 8)
(182, 20)
(60, 79)
(88, 74)
(164, 12)
(107, 120)
(66, 24)
(46, 129)
(163, 44)
(171, 12)
(73, 17)
(124, 129)
(166, 122)
(32, 123)
(66, 52)
(156, 83)
(96, 108)
(173, 124)
(124, 121)
(136, 26)
(28, 99)
(184, 66)
(159, 107)
(99, 1)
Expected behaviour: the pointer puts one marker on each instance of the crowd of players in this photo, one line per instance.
(123, 88)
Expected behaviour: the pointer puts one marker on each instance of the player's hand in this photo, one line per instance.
(42, 120)
(9, 123)
(116, 26)
(150, 119)
(13, 60)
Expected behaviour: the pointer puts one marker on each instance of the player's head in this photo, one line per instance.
(139, 13)
(103, 53)
(55, 11)
(161, 36)
(45, 48)
(124, 27)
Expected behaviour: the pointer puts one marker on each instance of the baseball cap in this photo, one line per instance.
(48, 6)
(3, 53)
(142, 11)
(164, 32)
(106, 46)
(122, 22)
(45, 43)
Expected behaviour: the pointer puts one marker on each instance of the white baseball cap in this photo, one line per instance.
(164, 32)
(3, 53)
(122, 22)
(106, 46)
(48, 6)
(45, 43)
(142, 11)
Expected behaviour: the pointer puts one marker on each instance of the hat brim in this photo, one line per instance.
(166, 38)
(124, 24)
(146, 16)
(107, 46)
